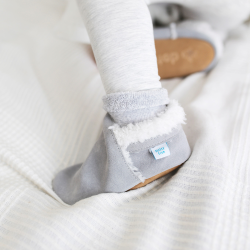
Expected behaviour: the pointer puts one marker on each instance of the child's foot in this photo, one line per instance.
(142, 140)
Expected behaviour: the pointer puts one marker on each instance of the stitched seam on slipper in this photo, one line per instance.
(123, 157)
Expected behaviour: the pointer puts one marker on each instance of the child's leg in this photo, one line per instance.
(141, 136)
(122, 39)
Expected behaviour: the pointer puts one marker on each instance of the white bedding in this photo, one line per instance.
(50, 116)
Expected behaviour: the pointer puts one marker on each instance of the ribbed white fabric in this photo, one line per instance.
(50, 114)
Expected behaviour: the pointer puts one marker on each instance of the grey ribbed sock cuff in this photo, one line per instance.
(131, 107)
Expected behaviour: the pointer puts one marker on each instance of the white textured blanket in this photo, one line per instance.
(50, 115)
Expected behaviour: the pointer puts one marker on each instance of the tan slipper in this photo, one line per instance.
(181, 51)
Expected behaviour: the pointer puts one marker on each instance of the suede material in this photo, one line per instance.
(106, 170)
(113, 167)
(148, 165)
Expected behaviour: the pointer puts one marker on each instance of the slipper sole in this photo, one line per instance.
(182, 56)
(147, 181)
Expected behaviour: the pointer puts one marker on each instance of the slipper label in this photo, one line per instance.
(160, 151)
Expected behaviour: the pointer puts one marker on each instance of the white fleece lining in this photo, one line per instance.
(162, 124)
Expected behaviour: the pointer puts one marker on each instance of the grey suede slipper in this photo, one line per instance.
(141, 138)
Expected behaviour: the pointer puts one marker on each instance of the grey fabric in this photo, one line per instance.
(125, 101)
(137, 115)
(131, 107)
(104, 171)
(146, 163)
(165, 33)
(107, 170)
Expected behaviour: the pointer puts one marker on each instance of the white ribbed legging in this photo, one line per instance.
(121, 36)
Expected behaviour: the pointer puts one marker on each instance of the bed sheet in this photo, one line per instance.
(50, 117)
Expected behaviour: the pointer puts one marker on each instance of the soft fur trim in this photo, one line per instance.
(162, 124)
